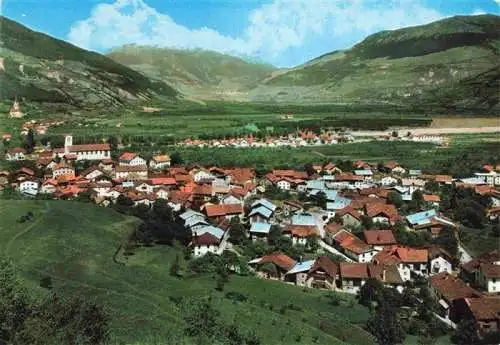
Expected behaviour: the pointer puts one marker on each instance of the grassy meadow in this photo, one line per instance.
(74, 244)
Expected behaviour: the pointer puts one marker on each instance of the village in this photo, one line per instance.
(347, 221)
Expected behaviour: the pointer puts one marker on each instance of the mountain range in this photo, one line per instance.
(451, 65)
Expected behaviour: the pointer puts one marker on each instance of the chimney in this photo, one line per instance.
(300, 259)
(383, 275)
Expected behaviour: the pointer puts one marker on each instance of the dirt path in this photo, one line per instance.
(427, 130)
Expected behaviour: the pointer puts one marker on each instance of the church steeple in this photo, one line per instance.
(15, 110)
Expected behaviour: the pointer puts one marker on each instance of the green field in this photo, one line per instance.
(74, 243)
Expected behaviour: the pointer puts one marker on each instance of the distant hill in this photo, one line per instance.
(200, 73)
(451, 65)
(39, 68)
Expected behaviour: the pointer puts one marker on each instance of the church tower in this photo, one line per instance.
(15, 110)
(68, 141)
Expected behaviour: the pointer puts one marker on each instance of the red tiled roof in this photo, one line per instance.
(127, 156)
(27, 171)
(334, 228)
(399, 254)
(349, 210)
(207, 239)
(484, 308)
(167, 181)
(161, 158)
(128, 168)
(489, 257)
(490, 270)
(387, 274)
(431, 198)
(17, 150)
(62, 165)
(326, 264)
(354, 270)
(379, 237)
(348, 177)
(279, 259)
(387, 210)
(301, 230)
(391, 165)
(452, 288)
(89, 147)
(443, 178)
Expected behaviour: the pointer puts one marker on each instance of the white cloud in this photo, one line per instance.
(272, 29)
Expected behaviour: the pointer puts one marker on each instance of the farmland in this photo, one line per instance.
(74, 243)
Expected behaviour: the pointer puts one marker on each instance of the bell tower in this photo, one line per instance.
(68, 141)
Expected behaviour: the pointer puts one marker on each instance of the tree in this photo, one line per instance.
(370, 293)
(200, 319)
(222, 278)
(466, 333)
(176, 159)
(14, 304)
(237, 233)
(394, 134)
(320, 200)
(175, 267)
(312, 244)
(274, 235)
(66, 321)
(367, 222)
(395, 199)
(113, 142)
(432, 186)
(385, 325)
(29, 141)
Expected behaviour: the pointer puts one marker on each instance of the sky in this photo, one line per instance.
(284, 33)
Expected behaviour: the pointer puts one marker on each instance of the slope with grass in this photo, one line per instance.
(200, 73)
(39, 68)
(74, 244)
(452, 64)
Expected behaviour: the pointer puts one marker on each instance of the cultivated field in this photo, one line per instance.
(74, 244)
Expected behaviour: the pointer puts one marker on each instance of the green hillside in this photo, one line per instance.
(39, 68)
(450, 65)
(202, 73)
(74, 244)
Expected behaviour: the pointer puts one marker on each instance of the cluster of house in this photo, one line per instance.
(473, 294)
(207, 199)
(301, 138)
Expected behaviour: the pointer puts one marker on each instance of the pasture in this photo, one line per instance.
(74, 243)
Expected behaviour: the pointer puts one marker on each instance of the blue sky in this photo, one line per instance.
(282, 32)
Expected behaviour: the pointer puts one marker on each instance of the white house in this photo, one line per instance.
(131, 172)
(160, 162)
(202, 174)
(15, 154)
(29, 187)
(84, 152)
(488, 276)
(388, 181)
(492, 178)
(131, 159)
(63, 169)
(284, 184)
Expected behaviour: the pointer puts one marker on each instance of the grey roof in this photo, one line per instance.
(363, 172)
(190, 213)
(316, 184)
(264, 202)
(262, 228)
(303, 219)
(217, 232)
(264, 211)
(338, 204)
(301, 267)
